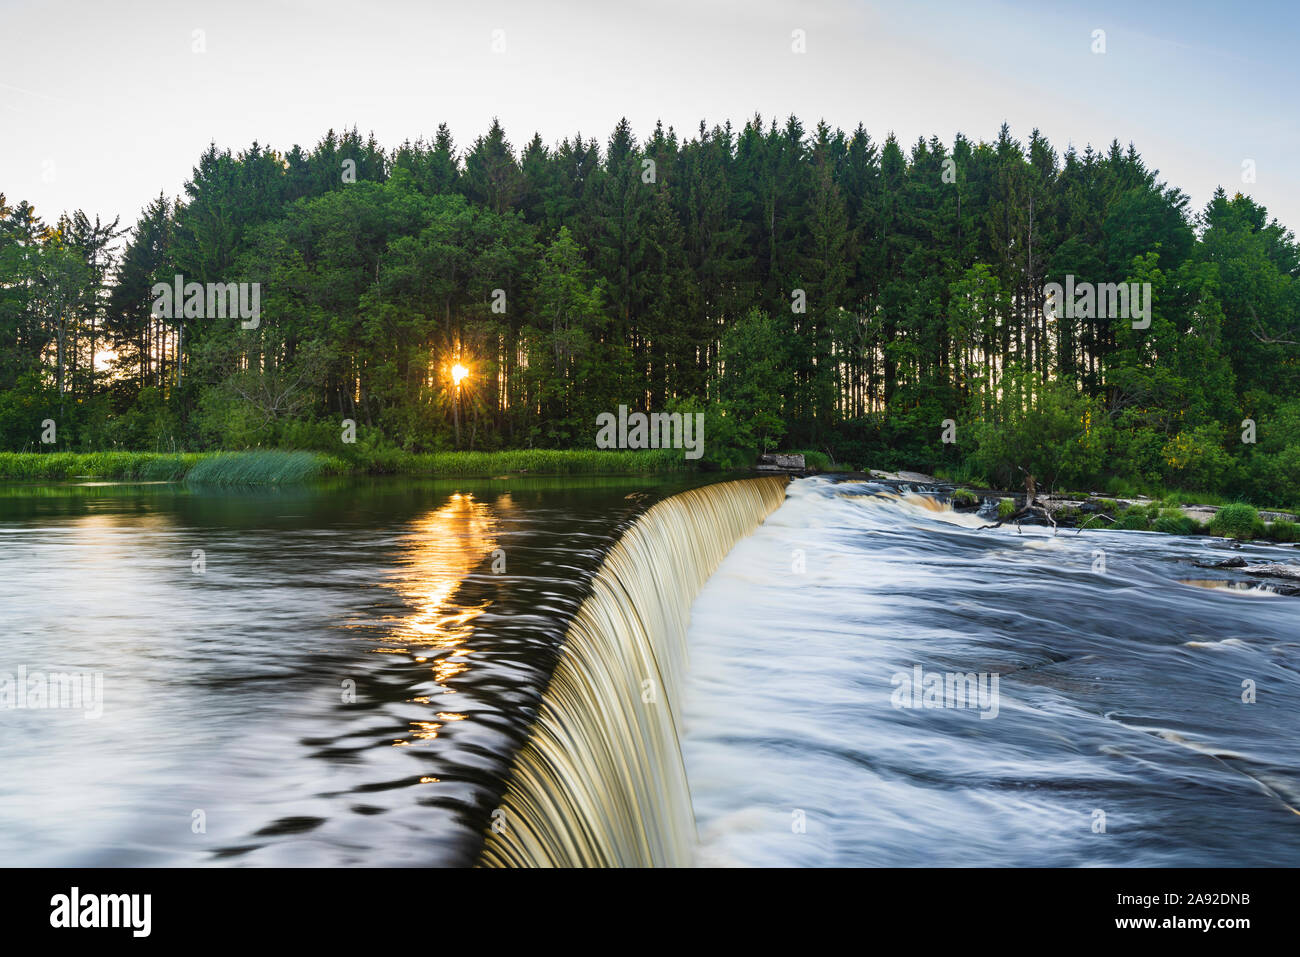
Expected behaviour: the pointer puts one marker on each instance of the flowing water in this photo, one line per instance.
(601, 781)
(520, 672)
(1118, 733)
(343, 679)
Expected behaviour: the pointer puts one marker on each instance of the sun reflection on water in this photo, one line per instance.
(442, 549)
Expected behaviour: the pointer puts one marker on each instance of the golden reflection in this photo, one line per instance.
(442, 549)
(425, 730)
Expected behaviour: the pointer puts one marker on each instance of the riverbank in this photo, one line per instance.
(1174, 513)
(282, 467)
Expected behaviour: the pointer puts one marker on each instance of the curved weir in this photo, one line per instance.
(600, 780)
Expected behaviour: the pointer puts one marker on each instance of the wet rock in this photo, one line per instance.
(1234, 562)
(1273, 570)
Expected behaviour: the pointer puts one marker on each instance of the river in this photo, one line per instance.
(343, 674)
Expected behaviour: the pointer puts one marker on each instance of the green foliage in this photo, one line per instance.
(754, 380)
(1134, 519)
(1046, 430)
(1174, 522)
(1181, 497)
(535, 461)
(1282, 530)
(1196, 459)
(963, 473)
(1006, 508)
(818, 461)
(802, 287)
(264, 467)
(275, 467)
(1238, 520)
(107, 466)
(965, 498)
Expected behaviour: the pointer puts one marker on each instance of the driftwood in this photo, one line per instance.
(1084, 523)
(1030, 508)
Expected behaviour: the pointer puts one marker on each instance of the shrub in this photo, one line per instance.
(1174, 522)
(963, 473)
(1134, 520)
(1059, 438)
(1069, 516)
(1239, 521)
(1283, 530)
(819, 461)
(1006, 508)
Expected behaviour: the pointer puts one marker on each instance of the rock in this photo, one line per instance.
(781, 462)
(1234, 562)
(917, 477)
(1274, 570)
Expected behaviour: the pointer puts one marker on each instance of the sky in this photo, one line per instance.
(103, 103)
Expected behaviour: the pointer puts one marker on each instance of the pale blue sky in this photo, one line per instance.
(102, 104)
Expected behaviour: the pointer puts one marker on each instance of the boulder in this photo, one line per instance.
(781, 462)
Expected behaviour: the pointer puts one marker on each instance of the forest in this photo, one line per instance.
(804, 289)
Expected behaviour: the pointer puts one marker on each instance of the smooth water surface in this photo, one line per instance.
(342, 680)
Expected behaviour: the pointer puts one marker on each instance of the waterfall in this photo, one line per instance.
(600, 780)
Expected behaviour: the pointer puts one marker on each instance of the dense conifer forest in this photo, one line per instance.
(804, 288)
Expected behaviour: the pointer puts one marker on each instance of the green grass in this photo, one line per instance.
(103, 466)
(1283, 530)
(819, 461)
(1134, 520)
(1179, 497)
(1238, 520)
(1070, 516)
(262, 467)
(534, 461)
(962, 474)
(1173, 522)
(1006, 508)
(964, 497)
(282, 467)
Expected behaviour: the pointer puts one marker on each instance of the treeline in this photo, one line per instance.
(809, 289)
